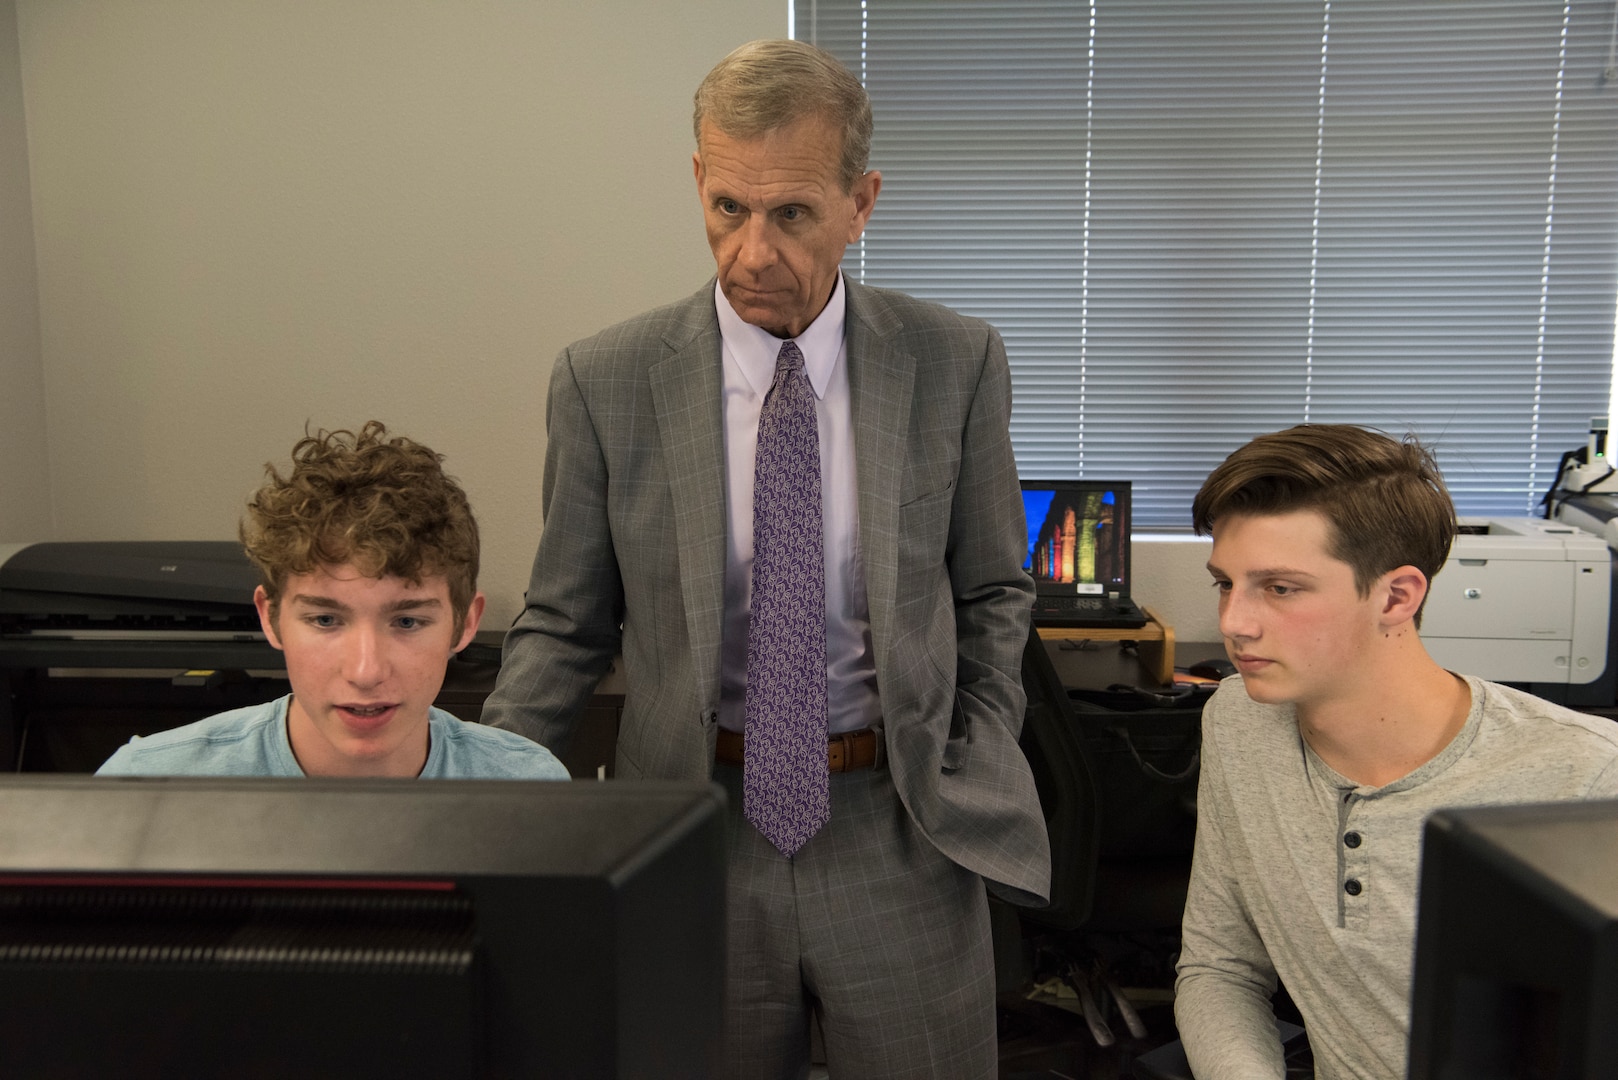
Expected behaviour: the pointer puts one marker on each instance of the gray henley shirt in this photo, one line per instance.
(1300, 872)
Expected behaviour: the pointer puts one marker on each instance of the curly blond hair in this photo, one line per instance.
(380, 503)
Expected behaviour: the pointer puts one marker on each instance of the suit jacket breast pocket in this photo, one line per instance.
(932, 462)
(924, 527)
(920, 488)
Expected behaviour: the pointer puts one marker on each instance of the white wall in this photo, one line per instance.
(25, 498)
(1171, 578)
(251, 215)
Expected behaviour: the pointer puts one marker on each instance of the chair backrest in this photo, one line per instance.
(1068, 793)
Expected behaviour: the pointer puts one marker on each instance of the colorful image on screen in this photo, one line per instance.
(1075, 536)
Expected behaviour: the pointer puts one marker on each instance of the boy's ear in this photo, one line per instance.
(266, 615)
(1403, 589)
(469, 628)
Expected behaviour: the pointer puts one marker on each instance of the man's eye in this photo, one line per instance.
(728, 206)
(408, 622)
(324, 622)
(1222, 586)
(792, 213)
(1281, 590)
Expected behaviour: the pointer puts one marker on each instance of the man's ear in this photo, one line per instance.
(266, 615)
(864, 192)
(1402, 590)
(469, 629)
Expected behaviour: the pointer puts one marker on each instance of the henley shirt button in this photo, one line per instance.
(1352, 886)
(1351, 839)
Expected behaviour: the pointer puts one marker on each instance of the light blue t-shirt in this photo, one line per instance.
(253, 742)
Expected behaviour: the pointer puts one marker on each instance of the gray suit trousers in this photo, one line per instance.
(870, 926)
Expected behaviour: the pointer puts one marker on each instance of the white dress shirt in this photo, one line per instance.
(749, 356)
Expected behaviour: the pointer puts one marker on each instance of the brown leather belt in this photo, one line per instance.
(847, 751)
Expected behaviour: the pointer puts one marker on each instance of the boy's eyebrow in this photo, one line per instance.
(325, 602)
(328, 604)
(1265, 572)
(415, 605)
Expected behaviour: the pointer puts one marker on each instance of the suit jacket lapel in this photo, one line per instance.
(880, 381)
(686, 394)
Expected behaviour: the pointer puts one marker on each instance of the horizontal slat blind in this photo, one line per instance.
(1196, 221)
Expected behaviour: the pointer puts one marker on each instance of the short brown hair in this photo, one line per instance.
(766, 85)
(1383, 497)
(381, 503)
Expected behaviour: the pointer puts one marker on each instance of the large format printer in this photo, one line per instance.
(1522, 600)
(102, 640)
(127, 591)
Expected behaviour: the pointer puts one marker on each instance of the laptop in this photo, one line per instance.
(1078, 553)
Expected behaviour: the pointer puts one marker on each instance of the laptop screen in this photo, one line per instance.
(1078, 535)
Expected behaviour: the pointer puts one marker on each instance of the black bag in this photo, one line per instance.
(1145, 749)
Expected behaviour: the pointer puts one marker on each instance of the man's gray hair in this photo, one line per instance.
(765, 85)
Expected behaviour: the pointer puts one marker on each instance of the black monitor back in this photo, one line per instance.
(360, 928)
(1517, 944)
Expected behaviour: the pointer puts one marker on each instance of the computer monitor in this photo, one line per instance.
(1078, 534)
(255, 927)
(1517, 944)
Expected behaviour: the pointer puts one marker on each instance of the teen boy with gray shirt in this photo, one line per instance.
(1325, 753)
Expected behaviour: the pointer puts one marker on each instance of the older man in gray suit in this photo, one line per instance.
(791, 502)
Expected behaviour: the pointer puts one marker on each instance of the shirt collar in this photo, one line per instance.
(755, 350)
(1458, 747)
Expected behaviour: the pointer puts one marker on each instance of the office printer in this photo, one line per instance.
(1521, 600)
(1596, 513)
(1585, 492)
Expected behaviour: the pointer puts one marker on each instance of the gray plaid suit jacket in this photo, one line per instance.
(633, 556)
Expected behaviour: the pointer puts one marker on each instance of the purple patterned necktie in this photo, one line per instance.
(785, 784)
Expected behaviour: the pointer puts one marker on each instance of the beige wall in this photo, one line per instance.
(25, 498)
(250, 215)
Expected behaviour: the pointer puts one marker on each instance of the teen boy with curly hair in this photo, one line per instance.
(368, 556)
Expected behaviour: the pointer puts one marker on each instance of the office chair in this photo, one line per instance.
(1083, 884)
(1112, 796)
(1069, 795)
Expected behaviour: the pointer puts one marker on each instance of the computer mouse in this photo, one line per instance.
(1215, 668)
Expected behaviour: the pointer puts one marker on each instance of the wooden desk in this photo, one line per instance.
(1156, 643)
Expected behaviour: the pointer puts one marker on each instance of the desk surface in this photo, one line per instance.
(1096, 665)
(1152, 645)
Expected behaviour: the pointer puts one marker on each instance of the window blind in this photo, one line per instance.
(1197, 221)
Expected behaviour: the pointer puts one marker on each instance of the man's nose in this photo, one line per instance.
(758, 250)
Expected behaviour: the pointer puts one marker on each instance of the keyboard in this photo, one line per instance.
(1074, 603)
(1088, 611)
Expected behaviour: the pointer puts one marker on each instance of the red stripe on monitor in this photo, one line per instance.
(204, 881)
